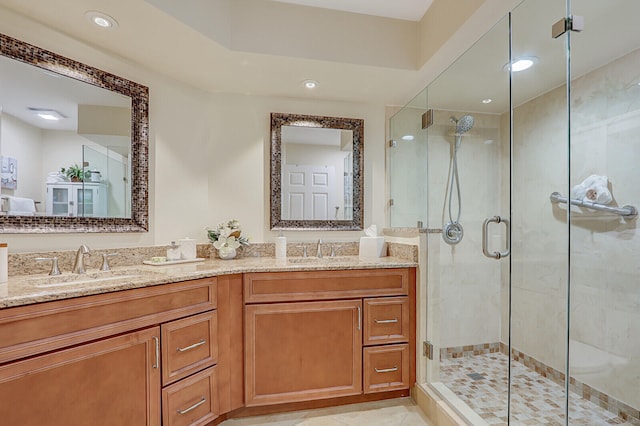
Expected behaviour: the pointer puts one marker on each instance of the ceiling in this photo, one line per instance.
(149, 35)
(172, 39)
(410, 10)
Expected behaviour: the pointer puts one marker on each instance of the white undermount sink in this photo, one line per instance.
(90, 277)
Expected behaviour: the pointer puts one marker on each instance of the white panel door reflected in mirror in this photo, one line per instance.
(314, 177)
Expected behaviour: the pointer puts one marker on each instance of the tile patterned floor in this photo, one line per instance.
(481, 382)
(392, 412)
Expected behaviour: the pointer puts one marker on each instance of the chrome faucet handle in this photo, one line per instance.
(304, 250)
(55, 270)
(333, 251)
(319, 251)
(105, 261)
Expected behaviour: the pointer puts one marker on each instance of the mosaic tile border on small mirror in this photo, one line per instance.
(357, 126)
(139, 94)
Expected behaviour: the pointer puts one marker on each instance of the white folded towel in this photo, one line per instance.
(593, 189)
(20, 206)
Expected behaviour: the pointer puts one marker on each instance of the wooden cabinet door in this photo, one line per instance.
(114, 381)
(302, 351)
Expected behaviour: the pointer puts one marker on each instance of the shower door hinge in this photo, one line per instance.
(572, 23)
(427, 119)
(427, 349)
(392, 143)
(390, 201)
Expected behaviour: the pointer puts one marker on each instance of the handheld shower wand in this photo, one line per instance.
(452, 231)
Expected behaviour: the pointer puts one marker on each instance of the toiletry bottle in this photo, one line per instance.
(173, 252)
(4, 267)
(281, 246)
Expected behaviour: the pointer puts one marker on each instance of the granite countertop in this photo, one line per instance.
(29, 289)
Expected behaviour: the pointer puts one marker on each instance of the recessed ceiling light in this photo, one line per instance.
(521, 64)
(310, 84)
(487, 101)
(101, 19)
(47, 114)
(407, 138)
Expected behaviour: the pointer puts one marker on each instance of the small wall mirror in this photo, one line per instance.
(73, 145)
(316, 172)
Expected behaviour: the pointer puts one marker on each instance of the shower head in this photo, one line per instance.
(464, 124)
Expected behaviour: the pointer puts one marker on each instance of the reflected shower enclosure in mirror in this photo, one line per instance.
(55, 114)
(316, 172)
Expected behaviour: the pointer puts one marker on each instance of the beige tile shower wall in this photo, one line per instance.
(468, 284)
(605, 296)
(605, 305)
(539, 233)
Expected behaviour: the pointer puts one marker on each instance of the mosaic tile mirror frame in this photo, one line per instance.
(349, 204)
(139, 157)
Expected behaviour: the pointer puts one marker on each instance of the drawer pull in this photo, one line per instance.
(389, 321)
(386, 370)
(157, 341)
(359, 318)
(195, 345)
(193, 407)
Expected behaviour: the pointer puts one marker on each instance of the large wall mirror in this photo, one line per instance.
(73, 145)
(316, 172)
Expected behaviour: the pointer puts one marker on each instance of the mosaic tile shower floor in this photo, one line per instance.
(481, 382)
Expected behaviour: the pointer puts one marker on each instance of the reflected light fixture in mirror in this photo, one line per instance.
(316, 172)
(136, 98)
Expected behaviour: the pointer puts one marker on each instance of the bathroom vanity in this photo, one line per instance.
(198, 344)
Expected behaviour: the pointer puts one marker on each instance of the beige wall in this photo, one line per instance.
(209, 154)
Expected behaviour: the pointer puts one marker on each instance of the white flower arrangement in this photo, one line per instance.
(227, 236)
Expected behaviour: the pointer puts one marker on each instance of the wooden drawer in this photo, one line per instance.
(386, 368)
(386, 320)
(189, 345)
(322, 285)
(191, 401)
(33, 329)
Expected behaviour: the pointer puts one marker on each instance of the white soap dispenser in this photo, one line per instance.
(187, 248)
(281, 246)
(173, 252)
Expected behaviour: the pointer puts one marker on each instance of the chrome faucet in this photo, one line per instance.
(319, 252)
(78, 267)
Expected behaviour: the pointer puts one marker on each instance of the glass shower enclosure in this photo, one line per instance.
(527, 183)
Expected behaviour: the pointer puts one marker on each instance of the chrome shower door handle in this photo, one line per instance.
(485, 243)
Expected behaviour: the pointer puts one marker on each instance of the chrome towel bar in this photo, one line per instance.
(627, 212)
